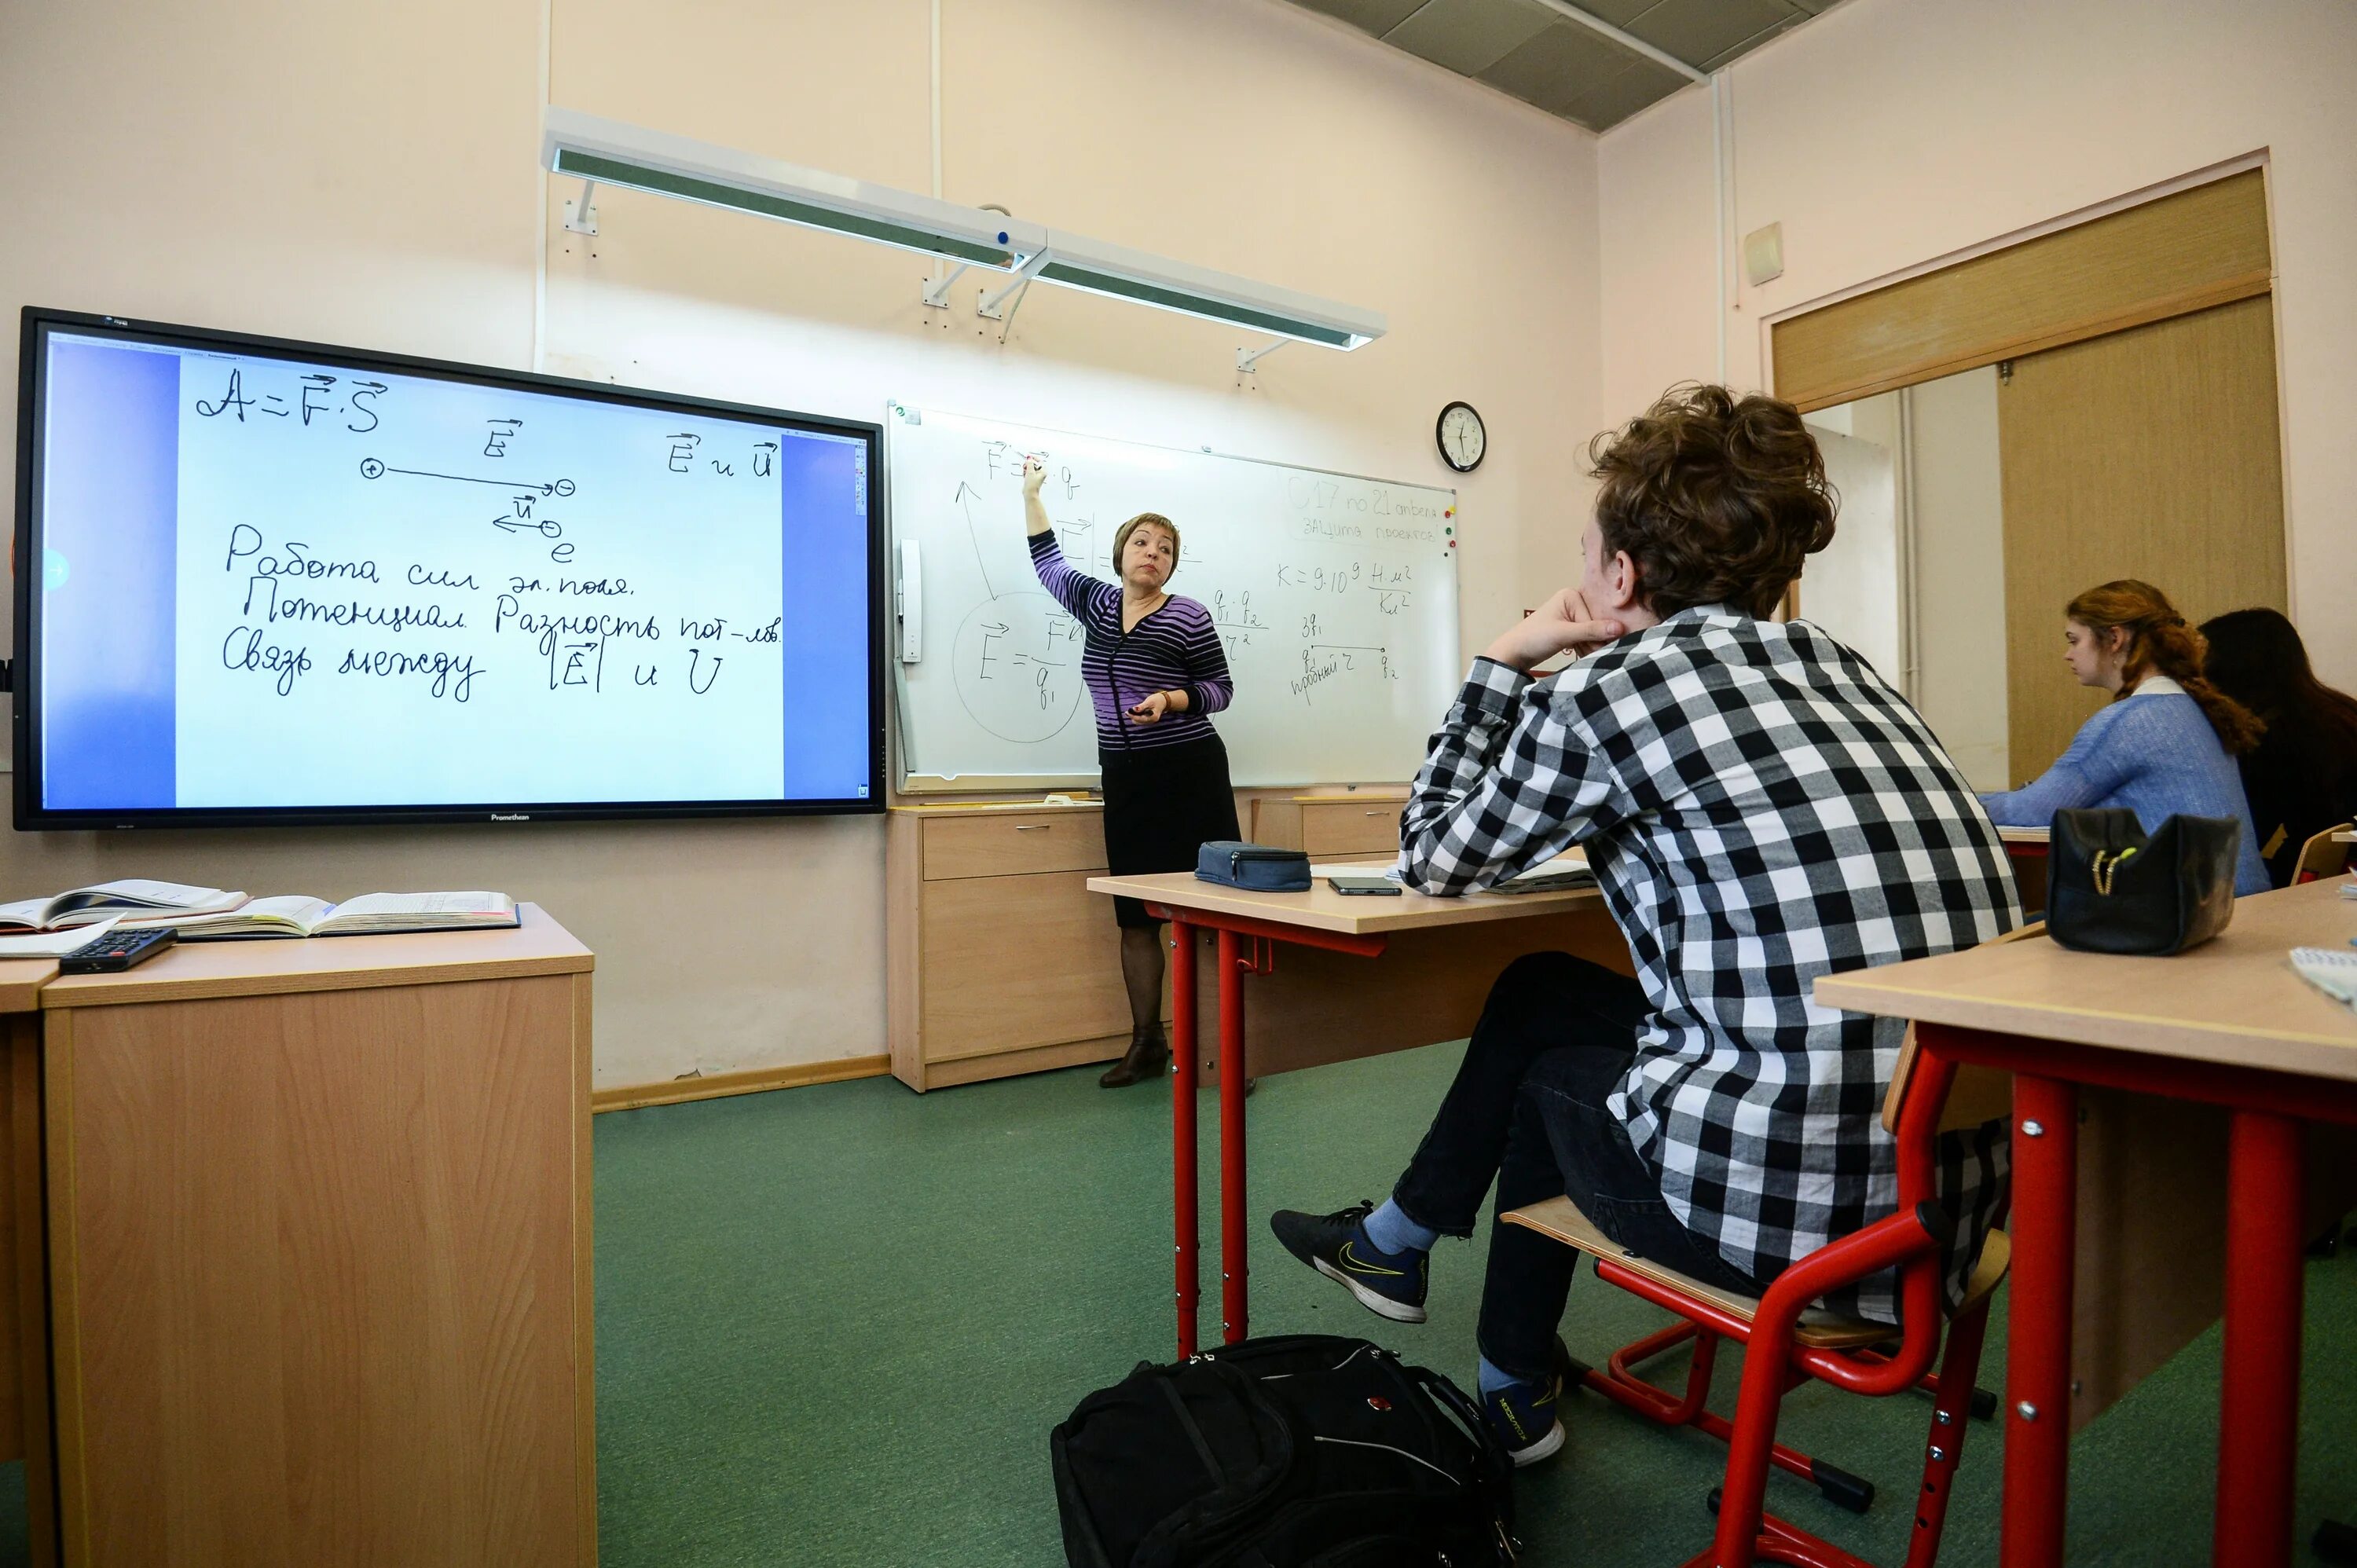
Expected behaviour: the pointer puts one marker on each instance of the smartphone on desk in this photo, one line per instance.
(1365, 886)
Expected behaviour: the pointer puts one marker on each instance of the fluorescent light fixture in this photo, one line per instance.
(1120, 273)
(606, 152)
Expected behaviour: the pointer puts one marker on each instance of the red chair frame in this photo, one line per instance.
(1775, 1361)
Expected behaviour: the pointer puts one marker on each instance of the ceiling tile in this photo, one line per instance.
(1376, 17)
(1558, 67)
(1695, 30)
(1727, 57)
(1640, 84)
(1470, 36)
(1619, 13)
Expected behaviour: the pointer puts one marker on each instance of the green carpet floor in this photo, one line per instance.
(836, 1325)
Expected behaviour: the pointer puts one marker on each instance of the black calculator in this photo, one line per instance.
(116, 950)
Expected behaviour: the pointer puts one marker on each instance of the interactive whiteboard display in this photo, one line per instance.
(1335, 597)
(260, 581)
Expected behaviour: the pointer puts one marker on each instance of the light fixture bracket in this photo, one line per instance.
(580, 217)
(1248, 359)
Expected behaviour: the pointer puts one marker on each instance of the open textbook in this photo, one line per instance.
(369, 914)
(134, 901)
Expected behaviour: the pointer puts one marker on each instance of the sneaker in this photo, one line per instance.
(1523, 1415)
(1390, 1285)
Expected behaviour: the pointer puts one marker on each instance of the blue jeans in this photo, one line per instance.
(1556, 1036)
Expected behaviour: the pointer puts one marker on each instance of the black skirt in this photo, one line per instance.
(1161, 805)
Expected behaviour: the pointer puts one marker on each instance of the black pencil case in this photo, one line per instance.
(1257, 866)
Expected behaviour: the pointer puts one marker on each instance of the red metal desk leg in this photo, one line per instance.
(1233, 1310)
(1182, 1124)
(2038, 1350)
(2259, 1403)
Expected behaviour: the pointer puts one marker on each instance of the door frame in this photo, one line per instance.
(1891, 373)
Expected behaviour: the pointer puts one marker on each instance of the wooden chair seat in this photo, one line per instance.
(2322, 855)
(1819, 1329)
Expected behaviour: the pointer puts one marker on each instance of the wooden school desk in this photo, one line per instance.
(2227, 1025)
(1438, 957)
(319, 1278)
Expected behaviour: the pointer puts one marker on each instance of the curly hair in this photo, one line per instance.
(2159, 640)
(1715, 497)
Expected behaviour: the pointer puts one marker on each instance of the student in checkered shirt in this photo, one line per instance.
(1761, 808)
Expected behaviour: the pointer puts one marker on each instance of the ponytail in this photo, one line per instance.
(2159, 642)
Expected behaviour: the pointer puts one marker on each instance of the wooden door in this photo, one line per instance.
(2151, 453)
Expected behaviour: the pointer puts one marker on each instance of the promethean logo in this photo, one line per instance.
(510, 816)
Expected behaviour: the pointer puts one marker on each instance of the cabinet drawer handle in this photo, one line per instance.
(1379, 813)
(1033, 827)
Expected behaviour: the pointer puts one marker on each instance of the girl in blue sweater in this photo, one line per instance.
(2167, 745)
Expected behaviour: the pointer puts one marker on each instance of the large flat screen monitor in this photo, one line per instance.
(262, 582)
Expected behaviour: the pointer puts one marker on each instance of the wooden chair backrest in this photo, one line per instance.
(2320, 856)
(1978, 1094)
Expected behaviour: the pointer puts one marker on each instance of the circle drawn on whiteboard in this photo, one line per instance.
(372, 468)
(1017, 663)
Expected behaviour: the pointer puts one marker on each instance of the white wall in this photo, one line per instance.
(1956, 487)
(367, 175)
(1851, 587)
(1914, 579)
(1959, 124)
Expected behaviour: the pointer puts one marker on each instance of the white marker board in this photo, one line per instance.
(1336, 597)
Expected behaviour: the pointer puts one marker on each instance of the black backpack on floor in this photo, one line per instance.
(1306, 1451)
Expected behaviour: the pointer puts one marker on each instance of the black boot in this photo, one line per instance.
(1148, 1056)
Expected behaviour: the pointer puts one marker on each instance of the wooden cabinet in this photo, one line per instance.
(1350, 827)
(1331, 825)
(1000, 960)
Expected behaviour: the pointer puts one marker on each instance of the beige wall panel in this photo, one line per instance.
(2153, 453)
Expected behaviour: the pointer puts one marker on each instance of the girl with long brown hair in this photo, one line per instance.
(2166, 745)
(2301, 778)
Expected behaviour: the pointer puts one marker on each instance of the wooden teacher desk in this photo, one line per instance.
(2227, 1025)
(317, 1262)
(1322, 1001)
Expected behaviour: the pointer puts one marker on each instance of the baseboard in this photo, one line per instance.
(715, 1086)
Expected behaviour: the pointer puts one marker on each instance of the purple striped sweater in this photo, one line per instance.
(1176, 648)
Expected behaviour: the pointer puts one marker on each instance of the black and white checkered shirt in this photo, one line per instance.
(1760, 809)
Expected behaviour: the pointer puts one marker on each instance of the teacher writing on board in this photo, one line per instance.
(1156, 675)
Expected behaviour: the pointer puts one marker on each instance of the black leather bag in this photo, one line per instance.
(2111, 889)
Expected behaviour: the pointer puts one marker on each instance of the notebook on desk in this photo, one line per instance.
(1568, 869)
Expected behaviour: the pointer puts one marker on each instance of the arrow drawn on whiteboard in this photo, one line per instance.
(370, 468)
(963, 492)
